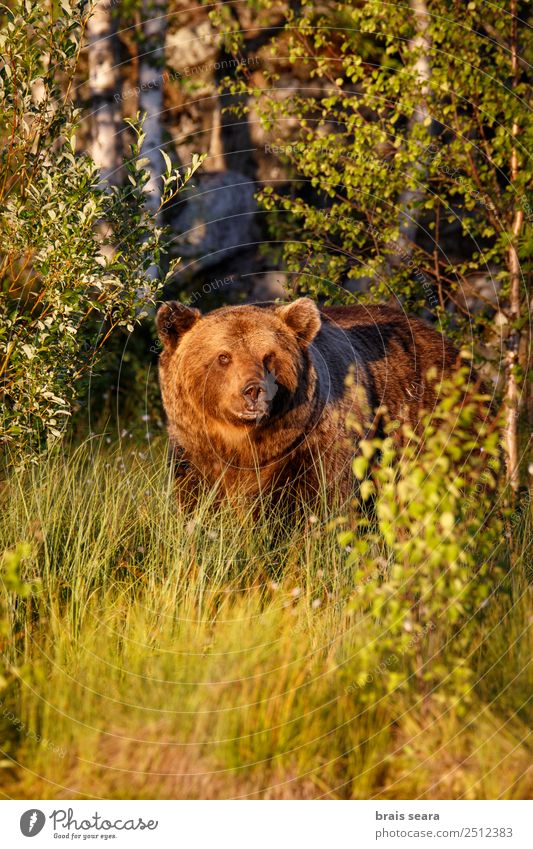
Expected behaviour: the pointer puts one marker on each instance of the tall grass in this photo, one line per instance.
(169, 654)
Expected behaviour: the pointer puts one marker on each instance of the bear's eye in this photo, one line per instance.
(224, 359)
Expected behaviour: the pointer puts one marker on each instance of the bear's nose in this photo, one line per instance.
(252, 391)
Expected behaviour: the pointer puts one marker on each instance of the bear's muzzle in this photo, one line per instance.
(256, 401)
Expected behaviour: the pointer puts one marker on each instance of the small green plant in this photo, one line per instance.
(15, 593)
(423, 540)
(12, 586)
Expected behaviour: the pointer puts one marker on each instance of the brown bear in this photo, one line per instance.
(261, 397)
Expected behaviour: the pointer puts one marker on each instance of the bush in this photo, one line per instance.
(64, 291)
(423, 550)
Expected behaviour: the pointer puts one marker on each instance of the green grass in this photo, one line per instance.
(210, 655)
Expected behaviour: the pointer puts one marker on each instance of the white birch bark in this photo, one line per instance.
(151, 82)
(422, 69)
(106, 146)
(512, 393)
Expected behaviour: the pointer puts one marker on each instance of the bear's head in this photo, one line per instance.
(240, 366)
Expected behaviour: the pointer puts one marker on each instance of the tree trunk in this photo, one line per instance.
(422, 70)
(400, 251)
(151, 79)
(106, 144)
(512, 407)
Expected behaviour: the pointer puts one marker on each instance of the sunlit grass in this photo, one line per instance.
(208, 654)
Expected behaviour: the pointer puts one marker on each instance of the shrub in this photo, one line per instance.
(422, 549)
(64, 290)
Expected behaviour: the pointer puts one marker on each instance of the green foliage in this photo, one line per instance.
(12, 586)
(14, 591)
(64, 288)
(396, 126)
(432, 502)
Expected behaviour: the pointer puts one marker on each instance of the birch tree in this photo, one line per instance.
(151, 80)
(105, 146)
(513, 396)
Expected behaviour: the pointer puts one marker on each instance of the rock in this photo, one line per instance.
(269, 285)
(217, 221)
(189, 49)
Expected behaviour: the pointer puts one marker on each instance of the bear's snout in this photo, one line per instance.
(253, 390)
(255, 394)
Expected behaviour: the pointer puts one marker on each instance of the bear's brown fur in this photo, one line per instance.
(257, 396)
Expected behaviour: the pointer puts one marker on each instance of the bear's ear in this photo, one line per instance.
(173, 320)
(302, 317)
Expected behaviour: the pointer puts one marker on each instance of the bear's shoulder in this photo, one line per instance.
(359, 315)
